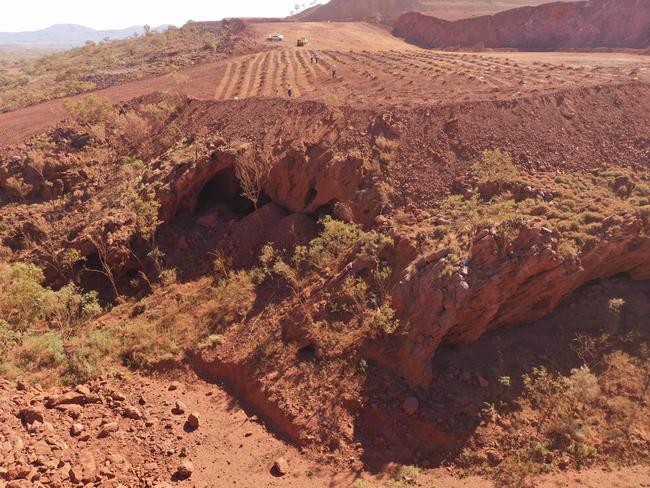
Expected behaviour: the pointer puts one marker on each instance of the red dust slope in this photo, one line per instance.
(591, 24)
(390, 10)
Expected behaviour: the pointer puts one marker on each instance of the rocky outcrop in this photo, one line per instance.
(304, 178)
(178, 184)
(590, 24)
(503, 283)
(389, 10)
(352, 10)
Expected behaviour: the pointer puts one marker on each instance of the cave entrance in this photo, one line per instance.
(223, 191)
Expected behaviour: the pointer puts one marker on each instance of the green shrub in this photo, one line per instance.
(90, 110)
(387, 145)
(24, 299)
(336, 237)
(85, 363)
(132, 162)
(231, 300)
(383, 319)
(40, 351)
(8, 337)
(210, 46)
(147, 210)
(494, 165)
(408, 474)
(147, 344)
(71, 305)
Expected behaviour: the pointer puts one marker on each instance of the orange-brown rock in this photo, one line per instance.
(504, 286)
(558, 25)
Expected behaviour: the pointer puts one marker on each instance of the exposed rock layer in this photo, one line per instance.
(505, 287)
(389, 10)
(591, 24)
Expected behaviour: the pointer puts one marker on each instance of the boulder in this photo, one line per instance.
(132, 413)
(280, 467)
(193, 421)
(29, 415)
(179, 408)
(107, 429)
(184, 470)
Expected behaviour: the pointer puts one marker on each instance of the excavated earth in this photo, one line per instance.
(552, 26)
(328, 151)
(389, 10)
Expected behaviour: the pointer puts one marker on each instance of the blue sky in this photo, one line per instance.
(20, 15)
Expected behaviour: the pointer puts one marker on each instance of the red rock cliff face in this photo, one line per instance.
(500, 290)
(596, 23)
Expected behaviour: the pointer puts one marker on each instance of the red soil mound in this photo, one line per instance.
(598, 23)
(389, 10)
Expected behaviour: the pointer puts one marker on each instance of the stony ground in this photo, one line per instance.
(140, 432)
(129, 432)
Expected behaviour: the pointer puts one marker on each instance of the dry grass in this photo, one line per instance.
(60, 74)
(581, 208)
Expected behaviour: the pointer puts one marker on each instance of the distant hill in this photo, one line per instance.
(586, 24)
(389, 10)
(67, 35)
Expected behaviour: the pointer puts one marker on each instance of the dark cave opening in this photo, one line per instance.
(224, 190)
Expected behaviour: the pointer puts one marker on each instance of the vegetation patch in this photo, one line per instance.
(35, 79)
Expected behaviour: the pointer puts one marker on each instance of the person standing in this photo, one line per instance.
(290, 91)
(333, 71)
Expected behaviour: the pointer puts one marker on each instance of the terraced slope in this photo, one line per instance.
(388, 10)
(391, 76)
(594, 24)
(373, 69)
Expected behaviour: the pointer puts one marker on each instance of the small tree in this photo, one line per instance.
(179, 84)
(103, 255)
(253, 173)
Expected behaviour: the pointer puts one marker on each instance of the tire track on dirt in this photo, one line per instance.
(274, 77)
(242, 79)
(301, 84)
(264, 75)
(327, 60)
(232, 81)
(429, 67)
(310, 65)
(285, 77)
(376, 63)
(320, 69)
(251, 90)
(313, 77)
(248, 76)
(307, 67)
(219, 91)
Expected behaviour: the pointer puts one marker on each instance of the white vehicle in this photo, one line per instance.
(276, 37)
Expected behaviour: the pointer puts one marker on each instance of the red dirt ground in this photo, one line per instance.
(594, 24)
(373, 69)
(231, 448)
(387, 10)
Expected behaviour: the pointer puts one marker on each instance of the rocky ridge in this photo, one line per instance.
(548, 27)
